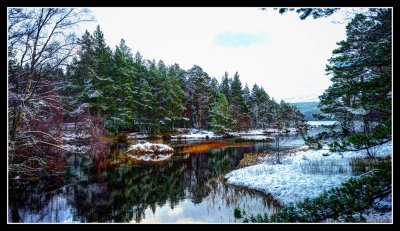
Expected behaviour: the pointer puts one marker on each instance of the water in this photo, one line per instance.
(321, 122)
(186, 188)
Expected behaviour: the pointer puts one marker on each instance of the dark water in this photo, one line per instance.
(186, 188)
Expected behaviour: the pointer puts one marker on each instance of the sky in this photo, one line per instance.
(285, 55)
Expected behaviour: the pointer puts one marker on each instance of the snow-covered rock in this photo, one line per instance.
(289, 183)
(150, 152)
(150, 148)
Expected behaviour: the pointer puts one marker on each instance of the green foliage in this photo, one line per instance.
(361, 70)
(221, 120)
(129, 93)
(306, 12)
(237, 213)
(313, 142)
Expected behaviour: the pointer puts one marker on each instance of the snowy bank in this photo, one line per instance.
(150, 152)
(292, 181)
(137, 135)
(196, 134)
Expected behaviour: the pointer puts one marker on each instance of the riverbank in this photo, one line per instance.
(304, 174)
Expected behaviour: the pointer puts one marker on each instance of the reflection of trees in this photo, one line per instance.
(124, 193)
(26, 198)
(202, 167)
(131, 190)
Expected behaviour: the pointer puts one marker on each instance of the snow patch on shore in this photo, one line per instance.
(196, 134)
(289, 183)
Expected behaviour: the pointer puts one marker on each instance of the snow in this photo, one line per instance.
(75, 136)
(289, 182)
(357, 111)
(284, 130)
(76, 148)
(381, 211)
(150, 148)
(94, 94)
(196, 134)
(136, 135)
(150, 152)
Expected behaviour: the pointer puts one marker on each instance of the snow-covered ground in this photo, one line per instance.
(285, 130)
(73, 136)
(137, 135)
(291, 181)
(76, 148)
(381, 211)
(196, 134)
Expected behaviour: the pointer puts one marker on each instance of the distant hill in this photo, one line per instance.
(303, 98)
(307, 108)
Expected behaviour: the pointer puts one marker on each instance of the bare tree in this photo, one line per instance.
(41, 42)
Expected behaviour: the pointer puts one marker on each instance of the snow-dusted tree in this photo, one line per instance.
(361, 74)
(239, 110)
(122, 108)
(225, 86)
(142, 93)
(176, 95)
(259, 108)
(197, 96)
(221, 119)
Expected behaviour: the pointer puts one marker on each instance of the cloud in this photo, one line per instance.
(238, 39)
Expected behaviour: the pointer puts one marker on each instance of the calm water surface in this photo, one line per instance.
(184, 189)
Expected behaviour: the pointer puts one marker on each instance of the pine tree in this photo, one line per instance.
(361, 76)
(238, 106)
(142, 91)
(197, 96)
(99, 85)
(123, 103)
(175, 105)
(221, 120)
(225, 87)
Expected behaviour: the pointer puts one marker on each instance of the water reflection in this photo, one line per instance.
(185, 189)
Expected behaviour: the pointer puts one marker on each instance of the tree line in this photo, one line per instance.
(55, 78)
(134, 94)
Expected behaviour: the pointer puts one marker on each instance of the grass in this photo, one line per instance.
(250, 159)
(360, 165)
(325, 166)
(205, 146)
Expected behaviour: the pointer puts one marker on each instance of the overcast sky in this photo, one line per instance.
(285, 55)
